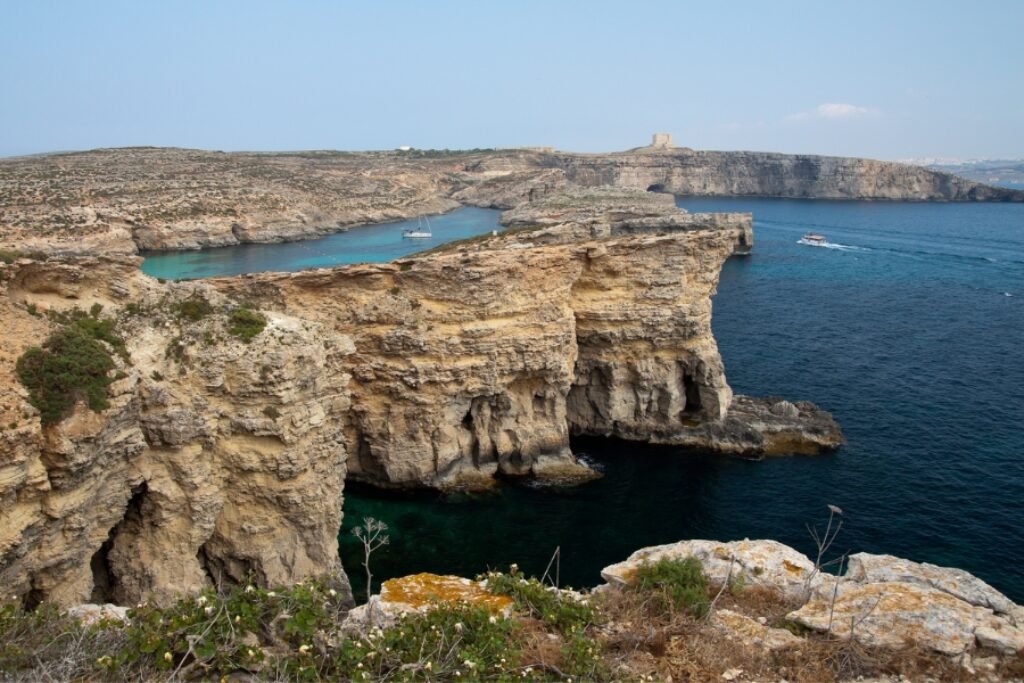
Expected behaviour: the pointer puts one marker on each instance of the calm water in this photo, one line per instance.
(363, 244)
(909, 330)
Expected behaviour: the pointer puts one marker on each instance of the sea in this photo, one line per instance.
(908, 326)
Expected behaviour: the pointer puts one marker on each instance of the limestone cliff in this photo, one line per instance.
(762, 174)
(215, 459)
(484, 356)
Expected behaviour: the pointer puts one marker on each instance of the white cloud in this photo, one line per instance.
(835, 111)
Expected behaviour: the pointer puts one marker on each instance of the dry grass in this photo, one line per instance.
(641, 641)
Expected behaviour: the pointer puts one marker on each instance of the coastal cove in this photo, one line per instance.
(360, 244)
(905, 329)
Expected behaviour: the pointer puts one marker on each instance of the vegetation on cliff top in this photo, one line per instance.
(73, 364)
(246, 323)
(296, 634)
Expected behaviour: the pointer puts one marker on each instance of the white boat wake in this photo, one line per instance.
(831, 245)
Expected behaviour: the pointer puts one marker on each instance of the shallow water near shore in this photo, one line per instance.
(909, 330)
(360, 244)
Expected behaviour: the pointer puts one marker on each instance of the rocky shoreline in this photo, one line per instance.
(591, 315)
(121, 201)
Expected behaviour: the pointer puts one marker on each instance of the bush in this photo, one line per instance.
(71, 365)
(194, 308)
(534, 598)
(580, 653)
(675, 584)
(246, 323)
(9, 255)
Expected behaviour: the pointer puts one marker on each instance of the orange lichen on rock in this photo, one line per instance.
(420, 590)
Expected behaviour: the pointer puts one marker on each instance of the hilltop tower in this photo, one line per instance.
(661, 141)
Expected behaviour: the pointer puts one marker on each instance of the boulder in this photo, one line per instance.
(756, 563)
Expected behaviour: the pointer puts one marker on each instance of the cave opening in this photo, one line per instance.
(691, 391)
(656, 187)
(104, 577)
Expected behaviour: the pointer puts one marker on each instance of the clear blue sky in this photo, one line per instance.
(881, 79)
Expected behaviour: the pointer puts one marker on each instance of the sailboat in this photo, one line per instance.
(419, 232)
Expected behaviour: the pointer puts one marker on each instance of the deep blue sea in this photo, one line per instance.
(909, 328)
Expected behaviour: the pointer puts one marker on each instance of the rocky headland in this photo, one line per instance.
(238, 406)
(121, 201)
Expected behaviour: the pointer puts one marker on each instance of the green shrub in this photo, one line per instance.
(272, 412)
(534, 598)
(71, 365)
(675, 584)
(246, 323)
(581, 653)
(194, 308)
(9, 255)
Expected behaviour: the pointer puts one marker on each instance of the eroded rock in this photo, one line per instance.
(753, 563)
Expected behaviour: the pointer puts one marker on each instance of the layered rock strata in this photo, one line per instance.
(482, 357)
(216, 460)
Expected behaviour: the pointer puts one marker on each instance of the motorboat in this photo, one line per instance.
(813, 239)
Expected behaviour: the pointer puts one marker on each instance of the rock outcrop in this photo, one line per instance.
(881, 601)
(119, 201)
(216, 459)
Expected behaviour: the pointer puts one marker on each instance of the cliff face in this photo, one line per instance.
(123, 200)
(484, 356)
(760, 174)
(215, 460)
(218, 459)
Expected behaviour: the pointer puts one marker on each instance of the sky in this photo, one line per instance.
(889, 80)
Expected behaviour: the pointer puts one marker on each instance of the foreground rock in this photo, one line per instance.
(881, 601)
(768, 564)
(419, 593)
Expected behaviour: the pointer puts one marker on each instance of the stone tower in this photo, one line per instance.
(662, 141)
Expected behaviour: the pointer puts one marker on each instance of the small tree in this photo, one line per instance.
(373, 535)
